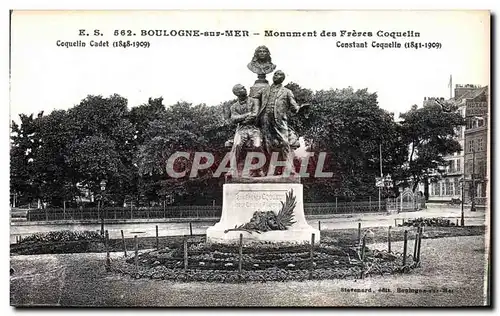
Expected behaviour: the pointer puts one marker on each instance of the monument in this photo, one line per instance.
(265, 205)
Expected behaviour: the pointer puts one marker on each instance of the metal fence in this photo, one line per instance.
(123, 213)
(203, 211)
(344, 207)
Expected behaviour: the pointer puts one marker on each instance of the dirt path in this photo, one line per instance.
(80, 280)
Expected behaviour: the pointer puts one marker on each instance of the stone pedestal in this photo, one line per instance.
(258, 86)
(241, 200)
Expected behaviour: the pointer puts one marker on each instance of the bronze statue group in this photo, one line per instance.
(261, 119)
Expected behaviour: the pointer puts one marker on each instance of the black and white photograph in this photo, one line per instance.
(250, 158)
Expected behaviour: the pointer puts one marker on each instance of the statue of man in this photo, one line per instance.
(261, 62)
(243, 113)
(275, 103)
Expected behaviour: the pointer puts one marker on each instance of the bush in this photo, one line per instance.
(64, 235)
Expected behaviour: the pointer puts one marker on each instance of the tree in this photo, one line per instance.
(350, 126)
(104, 123)
(22, 172)
(187, 128)
(429, 134)
(56, 181)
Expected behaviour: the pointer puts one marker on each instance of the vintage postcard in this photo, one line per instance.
(250, 158)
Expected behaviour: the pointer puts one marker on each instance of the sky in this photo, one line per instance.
(45, 76)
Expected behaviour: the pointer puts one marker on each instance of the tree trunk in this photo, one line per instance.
(426, 189)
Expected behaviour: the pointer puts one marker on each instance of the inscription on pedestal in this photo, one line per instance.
(260, 200)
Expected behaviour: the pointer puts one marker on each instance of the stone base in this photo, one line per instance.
(241, 200)
(216, 235)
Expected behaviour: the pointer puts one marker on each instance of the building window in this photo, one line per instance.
(448, 187)
(481, 166)
(456, 183)
(480, 144)
(470, 145)
(459, 166)
(436, 187)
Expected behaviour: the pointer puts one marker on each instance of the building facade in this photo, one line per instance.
(471, 101)
(476, 146)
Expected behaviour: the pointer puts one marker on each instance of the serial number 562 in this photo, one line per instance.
(124, 33)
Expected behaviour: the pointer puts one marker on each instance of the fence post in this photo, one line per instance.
(389, 240)
(311, 257)
(124, 244)
(46, 215)
(240, 254)
(185, 254)
(419, 245)
(457, 222)
(157, 238)
(395, 222)
(405, 247)
(359, 232)
(108, 261)
(136, 259)
(319, 225)
(28, 215)
(415, 246)
(362, 273)
(363, 248)
(64, 210)
(102, 226)
(190, 229)
(336, 210)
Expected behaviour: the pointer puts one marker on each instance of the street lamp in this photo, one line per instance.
(462, 186)
(473, 177)
(401, 190)
(103, 187)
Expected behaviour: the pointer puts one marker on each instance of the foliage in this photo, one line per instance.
(63, 235)
(433, 222)
(350, 126)
(429, 133)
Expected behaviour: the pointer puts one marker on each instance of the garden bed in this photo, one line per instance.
(429, 222)
(64, 241)
(263, 262)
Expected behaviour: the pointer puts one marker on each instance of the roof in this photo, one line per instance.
(472, 94)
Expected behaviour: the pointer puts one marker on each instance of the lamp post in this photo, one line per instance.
(473, 178)
(401, 189)
(103, 187)
(462, 186)
(381, 177)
